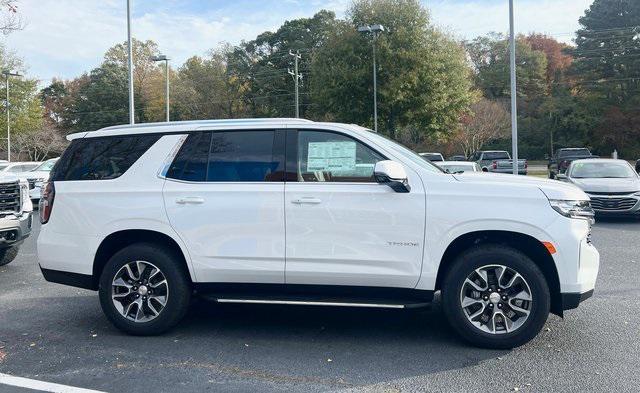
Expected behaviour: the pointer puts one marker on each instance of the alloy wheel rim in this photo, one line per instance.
(139, 291)
(496, 299)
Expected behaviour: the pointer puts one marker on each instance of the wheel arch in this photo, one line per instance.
(118, 240)
(527, 244)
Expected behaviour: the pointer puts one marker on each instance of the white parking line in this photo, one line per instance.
(27, 383)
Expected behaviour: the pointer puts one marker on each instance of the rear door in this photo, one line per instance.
(224, 195)
(342, 227)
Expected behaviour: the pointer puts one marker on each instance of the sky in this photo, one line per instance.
(64, 38)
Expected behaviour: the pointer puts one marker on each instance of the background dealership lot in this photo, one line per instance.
(59, 334)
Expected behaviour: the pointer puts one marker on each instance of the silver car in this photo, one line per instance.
(613, 185)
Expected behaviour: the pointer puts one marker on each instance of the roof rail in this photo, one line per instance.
(208, 122)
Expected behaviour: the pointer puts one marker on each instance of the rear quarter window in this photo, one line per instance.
(101, 158)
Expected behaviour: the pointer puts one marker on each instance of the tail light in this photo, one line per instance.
(46, 201)
(495, 165)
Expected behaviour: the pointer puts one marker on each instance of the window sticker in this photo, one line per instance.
(331, 156)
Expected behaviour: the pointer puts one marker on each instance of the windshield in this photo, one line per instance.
(3, 166)
(574, 152)
(452, 168)
(46, 166)
(496, 155)
(405, 152)
(602, 170)
(432, 156)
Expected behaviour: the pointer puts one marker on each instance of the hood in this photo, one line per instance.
(629, 185)
(34, 175)
(8, 178)
(553, 189)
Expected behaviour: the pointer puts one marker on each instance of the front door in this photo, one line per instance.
(343, 228)
(224, 195)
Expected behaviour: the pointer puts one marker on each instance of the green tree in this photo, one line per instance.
(424, 83)
(490, 58)
(607, 67)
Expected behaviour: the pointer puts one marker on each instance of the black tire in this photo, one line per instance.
(7, 255)
(552, 175)
(178, 284)
(483, 255)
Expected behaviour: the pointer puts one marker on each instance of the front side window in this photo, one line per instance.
(101, 158)
(330, 157)
(227, 156)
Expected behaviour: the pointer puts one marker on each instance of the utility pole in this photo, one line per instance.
(296, 78)
(130, 50)
(514, 108)
(7, 74)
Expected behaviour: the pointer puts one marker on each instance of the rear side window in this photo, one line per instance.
(228, 156)
(101, 158)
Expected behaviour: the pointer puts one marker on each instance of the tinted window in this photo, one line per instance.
(574, 152)
(242, 156)
(227, 156)
(101, 158)
(330, 157)
(191, 162)
(496, 155)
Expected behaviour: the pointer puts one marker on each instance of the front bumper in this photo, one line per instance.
(14, 229)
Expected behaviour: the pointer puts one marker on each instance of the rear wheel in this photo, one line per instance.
(144, 289)
(495, 297)
(7, 255)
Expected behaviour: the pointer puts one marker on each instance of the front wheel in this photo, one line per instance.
(495, 297)
(144, 289)
(7, 255)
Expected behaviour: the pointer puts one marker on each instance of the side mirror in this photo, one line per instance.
(392, 174)
(561, 177)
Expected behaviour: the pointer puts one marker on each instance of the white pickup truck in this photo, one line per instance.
(15, 216)
(498, 161)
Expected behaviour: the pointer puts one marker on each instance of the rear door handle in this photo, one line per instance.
(306, 200)
(190, 200)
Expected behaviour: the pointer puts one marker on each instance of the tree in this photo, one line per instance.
(558, 59)
(40, 143)
(487, 121)
(423, 78)
(608, 66)
(10, 19)
(490, 58)
(145, 72)
(260, 66)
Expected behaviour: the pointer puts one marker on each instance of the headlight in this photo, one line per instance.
(573, 209)
(637, 193)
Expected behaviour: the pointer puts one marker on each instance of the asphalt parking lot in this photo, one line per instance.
(58, 334)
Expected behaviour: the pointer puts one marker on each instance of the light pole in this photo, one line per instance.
(7, 74)
(130, 60)
(375, 30)
(514, 108)
(166, 75)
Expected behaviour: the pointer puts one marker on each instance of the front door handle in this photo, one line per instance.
(190, 200)
(306, 200)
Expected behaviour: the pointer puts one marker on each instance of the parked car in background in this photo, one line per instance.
(37, 177)
(17, 167)
(433, 157)
(15, 216)
(146, 214)
(498, 161)
(612, 185)
(458, 157)
(459, 166)
(561, 159)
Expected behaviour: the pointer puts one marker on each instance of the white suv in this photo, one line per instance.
(291, 211)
